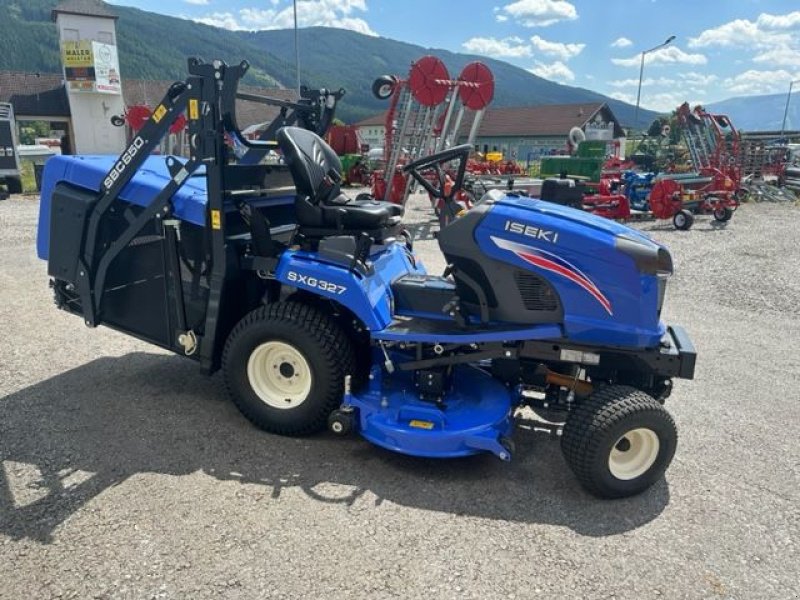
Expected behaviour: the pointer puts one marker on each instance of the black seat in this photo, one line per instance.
(321, 208)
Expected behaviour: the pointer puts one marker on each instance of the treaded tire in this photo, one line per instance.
(593, 430)
(723, 214)
(321, 342)
(683, 220)
(383, 87)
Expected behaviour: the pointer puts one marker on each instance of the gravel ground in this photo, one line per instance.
(125, 472)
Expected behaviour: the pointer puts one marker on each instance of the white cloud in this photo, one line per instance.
(773, 40)
(622, 42)
(511, 47)
(310, 13)
(765, 32)
(557, 71)
(557, 49)
(729, 34)
(782, 56)
(663, 56)
(538, 13)
(788, 21)
(224, 20)
(197, 2)
(624, 97)
(661, 101)
(760, 82)
(695, 79)
(690, 78)
(632, 83)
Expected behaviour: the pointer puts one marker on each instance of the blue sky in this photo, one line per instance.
(723, 48)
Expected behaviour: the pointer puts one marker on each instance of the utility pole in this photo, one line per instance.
(786, 110)
(667, 42)
(296, 49)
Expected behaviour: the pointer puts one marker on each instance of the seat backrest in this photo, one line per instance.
(311, 162)
(561, 191)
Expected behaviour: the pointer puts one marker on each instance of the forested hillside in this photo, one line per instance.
(154, 46)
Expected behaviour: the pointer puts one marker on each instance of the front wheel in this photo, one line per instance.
(619, 441)
(284, 366)
(723, 213)
(683, 220)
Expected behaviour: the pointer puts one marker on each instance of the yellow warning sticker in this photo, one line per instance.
(216, 219)
(194, 109)
(159, 113)
(421, 424)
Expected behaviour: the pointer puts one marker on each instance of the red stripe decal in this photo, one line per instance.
(549, 265)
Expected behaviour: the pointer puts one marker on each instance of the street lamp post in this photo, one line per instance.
(667, 42)
(786, 110)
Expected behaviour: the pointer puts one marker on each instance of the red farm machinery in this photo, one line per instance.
(427, 112)
(713, 187)
(347, 143)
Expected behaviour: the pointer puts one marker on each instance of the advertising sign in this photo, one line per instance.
(599, 130)
(106, 68)
(78, 63)
(91, 67)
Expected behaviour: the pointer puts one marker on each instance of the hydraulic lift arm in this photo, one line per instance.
(313, 111)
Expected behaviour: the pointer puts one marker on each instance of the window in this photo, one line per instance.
(105, 37)
(70, 35)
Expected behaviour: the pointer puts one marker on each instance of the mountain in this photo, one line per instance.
(760, 113)
(154, 46)
(357, 59)
(151, 46)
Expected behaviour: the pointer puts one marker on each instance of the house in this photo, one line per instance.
(524, 133)
(373, 130)
(527, 133)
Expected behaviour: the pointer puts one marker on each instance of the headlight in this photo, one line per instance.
(649, 257)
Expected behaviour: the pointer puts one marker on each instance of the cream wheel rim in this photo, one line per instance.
(279, 375)
(633, 454)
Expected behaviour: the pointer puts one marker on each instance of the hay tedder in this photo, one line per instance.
(713, 187)
(427, 111)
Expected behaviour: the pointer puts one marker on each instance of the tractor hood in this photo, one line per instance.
(648, 255)
(557, 224)
(573, 215)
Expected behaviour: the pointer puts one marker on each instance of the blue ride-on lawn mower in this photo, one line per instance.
(320, 314)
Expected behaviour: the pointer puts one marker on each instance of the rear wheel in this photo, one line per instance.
(284, 367)
(683, 220)
(723, 213)
(619, 442)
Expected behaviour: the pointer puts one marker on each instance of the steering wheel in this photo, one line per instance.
(435, 162)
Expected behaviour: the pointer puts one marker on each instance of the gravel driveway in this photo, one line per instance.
(125, 472)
